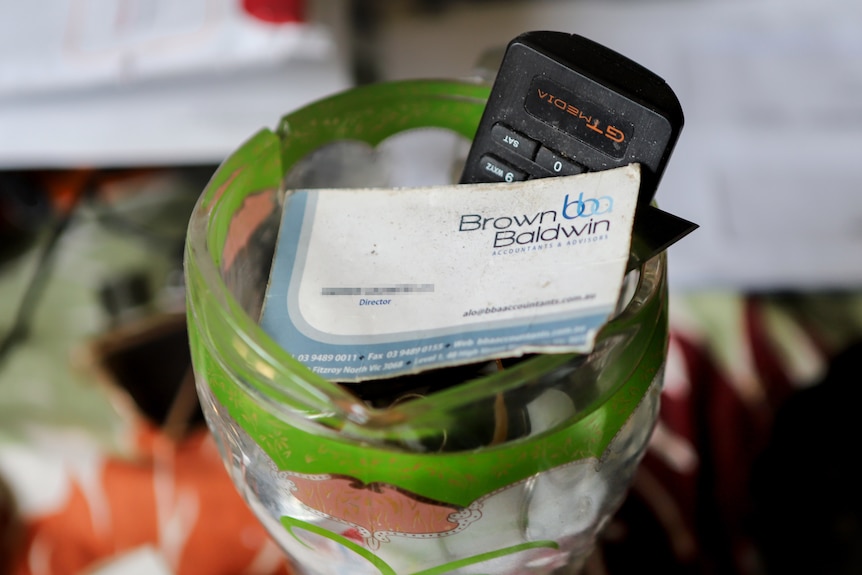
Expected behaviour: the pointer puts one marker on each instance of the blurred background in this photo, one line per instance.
(114, 114)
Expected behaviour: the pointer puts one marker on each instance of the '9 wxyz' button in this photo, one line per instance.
(495, 170)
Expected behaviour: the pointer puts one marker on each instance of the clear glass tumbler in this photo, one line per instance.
(505, 472)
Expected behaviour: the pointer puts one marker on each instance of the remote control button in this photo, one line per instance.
(512, 140)
(557, 164)
(495, 170)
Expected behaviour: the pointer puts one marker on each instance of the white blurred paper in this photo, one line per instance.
(768, 160)
(131, 82)
(54, 44)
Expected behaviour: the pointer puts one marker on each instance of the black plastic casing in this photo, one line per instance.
(580, 101)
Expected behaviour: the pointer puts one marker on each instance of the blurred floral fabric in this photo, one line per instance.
(751, 469)
(87, 475)
(172, 496)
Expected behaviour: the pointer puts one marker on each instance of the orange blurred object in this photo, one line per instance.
(175, 497)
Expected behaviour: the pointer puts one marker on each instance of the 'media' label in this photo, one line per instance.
(590, 122)
(370, 283)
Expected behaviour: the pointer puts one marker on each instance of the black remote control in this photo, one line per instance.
(563, 105)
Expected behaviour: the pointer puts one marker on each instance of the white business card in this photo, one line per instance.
(370, 283)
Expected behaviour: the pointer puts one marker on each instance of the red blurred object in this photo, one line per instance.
(275, 11)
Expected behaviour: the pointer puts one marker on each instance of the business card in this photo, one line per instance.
(374, 283)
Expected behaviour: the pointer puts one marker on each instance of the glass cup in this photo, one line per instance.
(467, 471)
